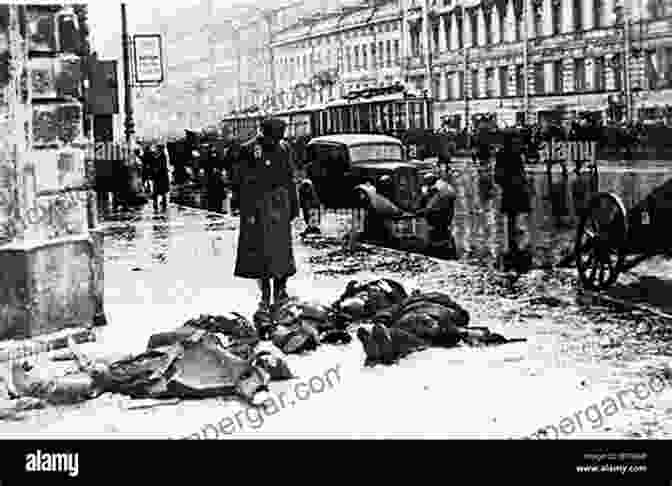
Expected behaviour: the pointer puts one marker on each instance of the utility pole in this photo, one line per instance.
(426, 33)
(526, 91)
(465, 94)
(212, 65)
(340, 61)
(403, 43)
(268, 18)
(129, 125)
(626, 68)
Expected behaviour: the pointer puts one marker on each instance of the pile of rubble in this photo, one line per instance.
(221, 355)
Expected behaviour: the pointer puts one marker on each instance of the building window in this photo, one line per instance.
(381, 53)
(372, 50)
(538, 17)
(599, 83)
(460, 32)
(415, 40)
(503, 81)
(490, 83)
(397, 54)
(474, 83)
(519, 26)
(598, 13)
(365, 60)
(348, 59)
(356, 57)
(388, 53)
(487, 17)
(520, 81)
(450, 79)
(473, 23)
(556, 15)
(579, 75)
(460, 85)
(502, 23)
(558, 77)
(658, 8)
(577, 8)
(447, 25)
(436, 88)
(539, 79)
(435, 37)
(650, 72)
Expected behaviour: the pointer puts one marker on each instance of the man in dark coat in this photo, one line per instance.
(510, 175)
(160, 177)
(268, 205)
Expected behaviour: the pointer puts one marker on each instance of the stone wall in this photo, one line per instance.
(54, 261)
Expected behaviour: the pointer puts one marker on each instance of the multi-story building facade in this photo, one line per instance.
(328, 55)
(545, 58)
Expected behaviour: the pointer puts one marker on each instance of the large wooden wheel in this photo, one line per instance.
(600, 241)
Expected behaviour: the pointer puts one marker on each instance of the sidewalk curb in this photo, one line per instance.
(18, 349)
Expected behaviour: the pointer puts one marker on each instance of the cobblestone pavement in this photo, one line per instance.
(162, 269)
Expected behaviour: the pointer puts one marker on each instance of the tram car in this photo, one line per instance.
(390, 111)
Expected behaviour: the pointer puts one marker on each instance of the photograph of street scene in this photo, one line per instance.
(230, 219)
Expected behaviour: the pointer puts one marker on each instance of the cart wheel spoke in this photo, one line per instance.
(594, 264)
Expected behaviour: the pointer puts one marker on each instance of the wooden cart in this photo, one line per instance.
(611, 239)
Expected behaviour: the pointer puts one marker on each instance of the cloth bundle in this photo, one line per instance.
(418, 322)
(362, 301)
(235, 333)
(296, 326)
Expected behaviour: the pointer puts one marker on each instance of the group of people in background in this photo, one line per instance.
(155, 173)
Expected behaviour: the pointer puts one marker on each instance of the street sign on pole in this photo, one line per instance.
(148, 56)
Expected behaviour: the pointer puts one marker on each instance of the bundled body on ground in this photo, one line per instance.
(230, 355)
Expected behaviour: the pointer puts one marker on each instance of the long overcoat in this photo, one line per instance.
(161, 174)
(510, 175)
(268, 204)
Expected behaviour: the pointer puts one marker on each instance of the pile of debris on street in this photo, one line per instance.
(221, 355)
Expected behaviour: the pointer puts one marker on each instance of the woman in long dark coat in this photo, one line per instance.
(268, 205)
(510, 175)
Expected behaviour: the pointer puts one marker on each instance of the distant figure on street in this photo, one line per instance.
(146, 158)
(160, 178)
(510, 175)
(268, 205)
(482, 150)
(231, 165)
(214, 178)
(310, 204)
(438, 208)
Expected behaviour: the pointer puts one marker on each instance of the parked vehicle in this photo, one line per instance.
(337, 164)
(371, 173)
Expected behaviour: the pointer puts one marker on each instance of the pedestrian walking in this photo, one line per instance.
(268, 205)
(146, 157)
(214, 180)
(160, 178)
(510, 175)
